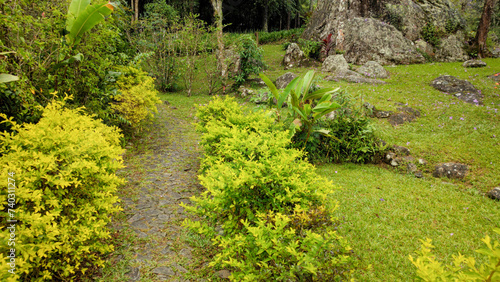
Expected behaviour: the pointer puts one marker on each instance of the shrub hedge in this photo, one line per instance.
(63, 169)
(275, 211)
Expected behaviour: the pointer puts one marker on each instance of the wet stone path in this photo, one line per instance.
(161, 173)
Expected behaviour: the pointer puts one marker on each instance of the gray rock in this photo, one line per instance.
(368, 39)
(224, 274)
(186, 253)
(495, 52)
(373, 69)
(424, 47)
(294, 57)
(473, 64)
(411, 168)
(494, 193)
(401, 151)
(389, 157)
(335, 63)
(134, 274)
(383, 114)
(419, 174)
(284, 80)
(422, 162)
(179, 268)
(451, 170)
(257, 81)
(407, 115)
(395, 162)
(462, 89)
(330, 16)
(452, 49)
(163, 270)
(352, 76)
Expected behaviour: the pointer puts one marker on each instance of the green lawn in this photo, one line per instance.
(384, 211)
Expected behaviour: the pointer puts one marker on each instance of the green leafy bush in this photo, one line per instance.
(137, 100)
(275, 211)
(350, 138)
(65, 191)
(277, 248)
(463, 268)
(275, 36)
(251, 58)
(430, 34)
(45, 61)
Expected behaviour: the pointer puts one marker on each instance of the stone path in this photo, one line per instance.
(161, 173)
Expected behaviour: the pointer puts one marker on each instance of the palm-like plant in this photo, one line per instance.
(307, 106)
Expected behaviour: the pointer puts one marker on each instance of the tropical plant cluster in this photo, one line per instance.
(61, 174)
(325, 122)
(52, 50)
(274, 210)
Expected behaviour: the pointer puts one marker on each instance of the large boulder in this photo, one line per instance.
(352, 76)
(462, 89)
(282, 81)
(294, 57)
(452, 49)
(373, 70)
(334, 63)
(408, 17)
(373, 40)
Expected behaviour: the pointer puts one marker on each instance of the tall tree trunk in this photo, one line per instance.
(483, 28)
(132, 6)
(136, 9)
(265, 18)
(311, 4)
(221, 61)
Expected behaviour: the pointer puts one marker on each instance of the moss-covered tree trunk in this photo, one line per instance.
(221, 60)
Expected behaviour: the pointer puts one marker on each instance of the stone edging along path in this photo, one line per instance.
(161, 173)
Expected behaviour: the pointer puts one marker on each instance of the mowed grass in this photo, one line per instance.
(384, 211)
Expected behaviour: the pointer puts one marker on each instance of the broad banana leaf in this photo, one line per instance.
(306, 84)
(92, 15)
(302, 114)
(5, 77)
(271, 85)
(319, 93)
(286, 92)
(76, 7)
(295, 99)
(332, 108)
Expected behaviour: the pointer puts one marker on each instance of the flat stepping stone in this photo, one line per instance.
(163, 270)
(462, 89)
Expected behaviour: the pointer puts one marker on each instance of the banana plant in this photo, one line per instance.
(5, 77)
(280, 95)
(82, 17)
(311, 105)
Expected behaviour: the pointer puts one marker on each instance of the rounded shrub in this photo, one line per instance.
(63, 169)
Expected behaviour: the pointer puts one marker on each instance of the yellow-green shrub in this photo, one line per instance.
(138, 98)
(275, 211)
(276, 249)
(463, 268)
(65, 193)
